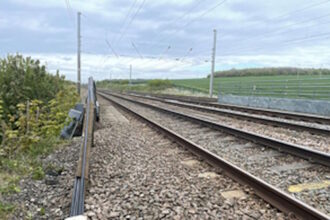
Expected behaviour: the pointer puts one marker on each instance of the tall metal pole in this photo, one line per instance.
(110, 77)
(213, 62)
(78, 54)
(130, 75)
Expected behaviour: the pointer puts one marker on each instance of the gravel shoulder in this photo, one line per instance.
(49, 198)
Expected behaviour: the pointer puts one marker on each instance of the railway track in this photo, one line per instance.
(249, 129)
(239, 115)
(237, 151)
(258, 111)
(78, 194)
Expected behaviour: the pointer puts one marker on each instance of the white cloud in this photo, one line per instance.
(31, 23)
(101, 66)
(241, 42)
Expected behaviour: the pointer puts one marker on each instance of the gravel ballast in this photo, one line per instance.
(278, 169)
(49, 198)
(137, 173)
(303, 138)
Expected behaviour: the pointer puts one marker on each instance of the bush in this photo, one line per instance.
(34, 108)
(23, 79)
(159, 84)
(34, 104)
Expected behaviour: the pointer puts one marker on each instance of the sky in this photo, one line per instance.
(166, 39)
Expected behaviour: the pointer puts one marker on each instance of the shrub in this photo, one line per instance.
(24, 78)
(159, 84)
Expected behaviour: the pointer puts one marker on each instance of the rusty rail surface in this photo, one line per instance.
(274, 196)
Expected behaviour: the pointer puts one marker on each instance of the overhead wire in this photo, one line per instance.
(176, 20)
(280, 30)
(322, 36)
(248, 47)
(125, 20)
(165, 52)
(136, 49)
(69, 11)
(131, 21)
(189, 51)
(111, 48)
(202, 14)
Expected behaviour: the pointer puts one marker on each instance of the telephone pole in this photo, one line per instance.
(213, 62)
(130, 74)
(78, 54)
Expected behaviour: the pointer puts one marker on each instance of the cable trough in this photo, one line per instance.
(91, 115)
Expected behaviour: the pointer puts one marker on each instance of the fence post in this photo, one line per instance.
(299, 87)
(38, 114)
(239, 89)
(219, 93)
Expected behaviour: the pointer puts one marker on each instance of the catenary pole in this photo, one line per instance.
(130, 75)
(78, 54)
(213, 62)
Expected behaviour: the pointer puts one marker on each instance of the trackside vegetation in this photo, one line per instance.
(275, 71)
(154, 85)
(33, 108)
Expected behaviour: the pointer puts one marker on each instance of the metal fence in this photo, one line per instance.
(318, 88)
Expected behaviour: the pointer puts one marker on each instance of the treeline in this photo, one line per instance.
(137, 85)
(274, 71)
(34, 106)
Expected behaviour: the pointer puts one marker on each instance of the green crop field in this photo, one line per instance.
(290, 86)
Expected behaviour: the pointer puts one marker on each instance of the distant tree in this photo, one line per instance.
(272, 71)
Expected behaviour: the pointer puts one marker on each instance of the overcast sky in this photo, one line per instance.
(166, 38)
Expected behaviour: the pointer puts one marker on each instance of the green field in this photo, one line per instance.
(290, 86)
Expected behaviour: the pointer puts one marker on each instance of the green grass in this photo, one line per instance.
(5, 210)
(154, 85)
(276, 86)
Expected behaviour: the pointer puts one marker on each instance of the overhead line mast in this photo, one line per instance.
(213, 62)
(78, 54)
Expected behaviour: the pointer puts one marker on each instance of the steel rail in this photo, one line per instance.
(269, 193)
(273, 113)
(78, 195)
(297, 150)
(314, 130)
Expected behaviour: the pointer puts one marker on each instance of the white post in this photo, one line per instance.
(78, 54)
(130, 75)
(213, 62)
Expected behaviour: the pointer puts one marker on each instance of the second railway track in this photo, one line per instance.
(203, 101)
(312, 128)
(318, 142)
(278, 169)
